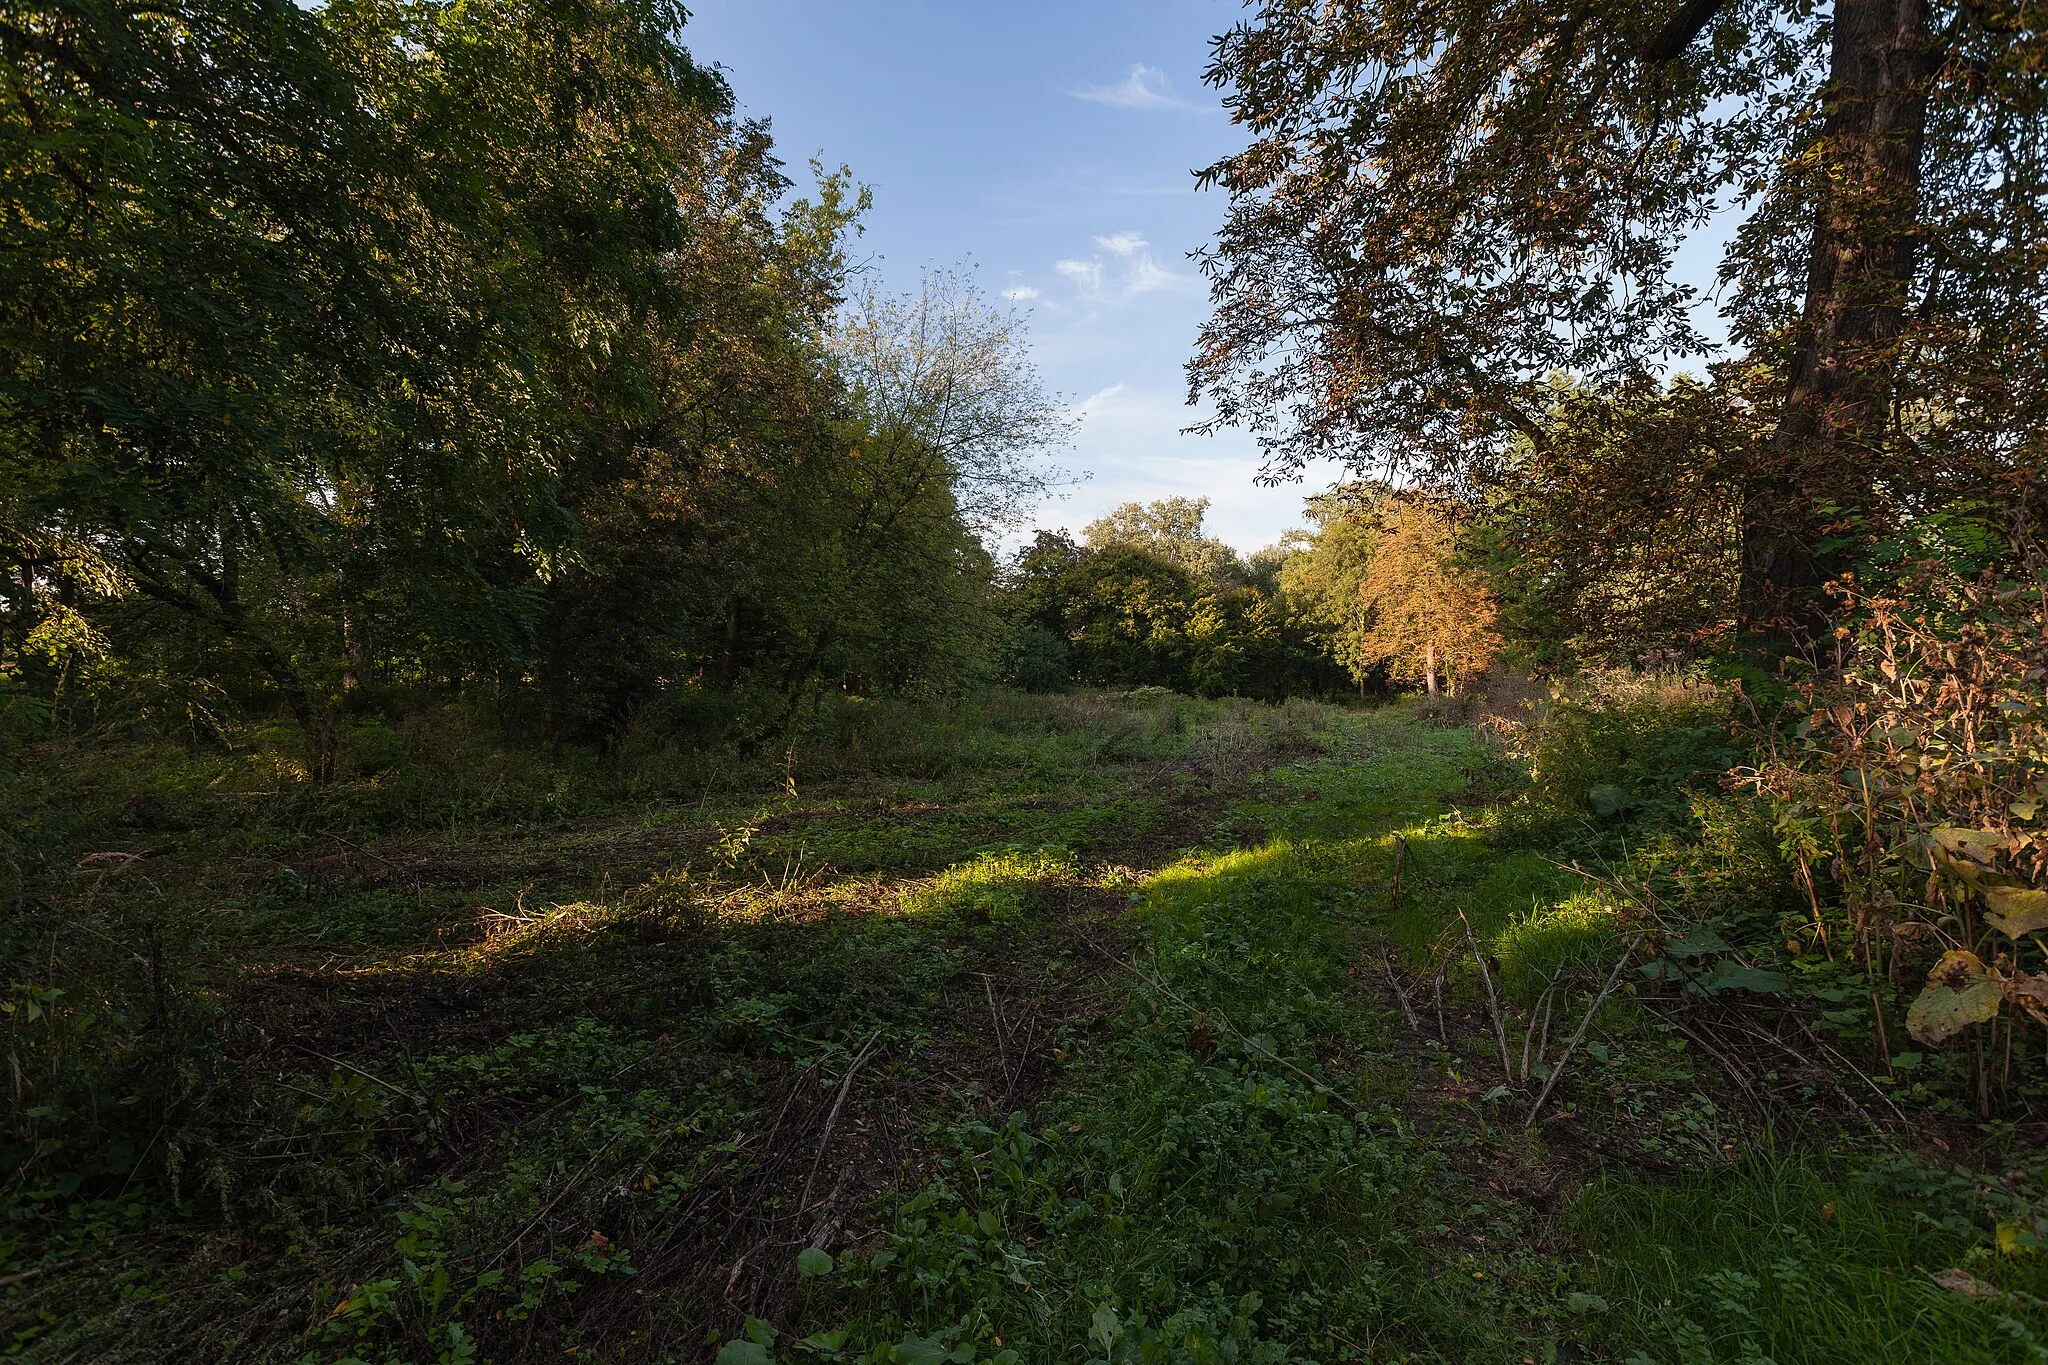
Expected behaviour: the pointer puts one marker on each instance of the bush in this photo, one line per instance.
(1628, 750)
(1913, 775)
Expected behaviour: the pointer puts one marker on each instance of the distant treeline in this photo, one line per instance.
(373, 356)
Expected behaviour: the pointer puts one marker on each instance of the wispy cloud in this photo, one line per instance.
(1147, 87)
(1099, 400)
(1147, 276)
(1020, 293)
(1124, 272)
(1086, 275)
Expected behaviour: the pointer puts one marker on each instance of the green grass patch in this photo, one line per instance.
(1801, 1261)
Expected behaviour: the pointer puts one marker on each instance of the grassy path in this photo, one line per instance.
(1261, 1161)
(1050, 1030)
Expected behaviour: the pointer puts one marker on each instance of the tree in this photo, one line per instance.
(1429, 618)
(189, 294)
(1441, 208)
(400, 346)
(1126, 610)
(1620, 536)
(1171, 529)
(313, 320)
(1325, 571)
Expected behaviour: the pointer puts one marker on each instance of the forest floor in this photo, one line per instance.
(1030, 1029)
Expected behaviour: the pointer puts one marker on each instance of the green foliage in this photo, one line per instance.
(993, 887)
(1801, 1261)
(1630, 752)
(421, 350)
(1151, 601)
(1323, 574)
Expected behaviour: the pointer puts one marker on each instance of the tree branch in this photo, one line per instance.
(1680, 29)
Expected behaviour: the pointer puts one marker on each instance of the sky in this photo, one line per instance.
(1050, 145)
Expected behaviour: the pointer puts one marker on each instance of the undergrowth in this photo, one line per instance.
(1085, 1028)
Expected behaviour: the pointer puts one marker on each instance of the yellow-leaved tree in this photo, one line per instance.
(1430, 618)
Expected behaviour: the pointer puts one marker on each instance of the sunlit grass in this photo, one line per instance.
(992, 888)
(1538, 945)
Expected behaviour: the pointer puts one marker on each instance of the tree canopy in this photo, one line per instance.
(1442, 210)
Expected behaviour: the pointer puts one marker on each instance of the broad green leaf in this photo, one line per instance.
(811, 1262)
(761, 1331)
(1609, 800)
(919, 1351)
(2017, 910)
(744, 1353)
(1697, 940)
(1732, 976)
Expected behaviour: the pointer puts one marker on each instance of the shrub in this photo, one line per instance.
(1628, 749)
(1912, 775)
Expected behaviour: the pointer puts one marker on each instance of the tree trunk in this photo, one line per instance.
(728, 655)
(355, 651)
(1819, 471)
(1429, 668)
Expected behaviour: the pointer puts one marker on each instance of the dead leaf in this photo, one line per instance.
(2030, 993)
(1963, 1282)
(2017, 910)
(1960, 992)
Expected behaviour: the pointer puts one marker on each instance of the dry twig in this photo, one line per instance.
(1557, 1071)
(1500, 1033)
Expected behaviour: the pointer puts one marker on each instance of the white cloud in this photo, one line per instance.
(1099, 400)
(1086, 275)
(1147, 276)
(1020, 293)
(1147, 87)
(1129, 271)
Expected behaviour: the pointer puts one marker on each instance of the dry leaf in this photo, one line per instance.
(2017, 910)
(1960, 992)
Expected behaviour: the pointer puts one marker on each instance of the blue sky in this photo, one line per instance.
(1049, 144)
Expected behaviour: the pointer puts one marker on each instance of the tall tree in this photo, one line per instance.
(1443, 206)
(1170, 528)
(1430, 618)
(1322, 574)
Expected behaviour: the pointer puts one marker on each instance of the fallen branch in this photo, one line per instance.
(1857, 1072)
(1500, 1033)
(1437, 986)
(995, 1016)
(832, 1121)
(1726, 1063)
(1407, 1010)
(1543, 1008)
(1557, 1071)
(550, 1208)
(37, 1272)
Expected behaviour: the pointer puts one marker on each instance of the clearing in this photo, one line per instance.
(1089, 1027)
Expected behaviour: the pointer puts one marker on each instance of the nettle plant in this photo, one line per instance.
(1917, 778)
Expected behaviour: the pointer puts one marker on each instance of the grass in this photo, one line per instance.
(1019, 1029)
(1805, 1261)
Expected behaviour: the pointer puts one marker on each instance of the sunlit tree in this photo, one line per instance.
(1431, 619)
